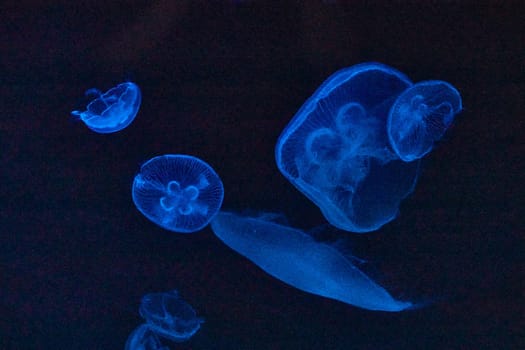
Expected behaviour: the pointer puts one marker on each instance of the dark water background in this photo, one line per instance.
(220, 80)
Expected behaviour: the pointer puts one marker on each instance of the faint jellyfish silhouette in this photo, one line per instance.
(420, 116)
(143, 338)
(113, 110)
(295, 258)
(169, 316)
(180, 193)
(336, 150)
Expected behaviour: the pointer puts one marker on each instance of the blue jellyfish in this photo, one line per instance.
(113, 110)
(420, 116)
(170, 317)
(295, 258)
(336, 150)
(178, 192)
(143, 338)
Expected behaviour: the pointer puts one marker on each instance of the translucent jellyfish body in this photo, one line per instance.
(113, 110)
(295, 258)
(337, 152)
(170, 317)
(143, 338)
(180, 193)
(420, 116)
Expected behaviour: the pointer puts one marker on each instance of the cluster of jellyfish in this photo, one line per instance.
(353, 149)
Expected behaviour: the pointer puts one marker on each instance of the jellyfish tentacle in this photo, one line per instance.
(144, 338)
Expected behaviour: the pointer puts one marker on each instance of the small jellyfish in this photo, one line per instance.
(113, 110)
(168, 316)
(420, 116)
(336, 150)
(295, 258)
(180, 193)
(143, 338)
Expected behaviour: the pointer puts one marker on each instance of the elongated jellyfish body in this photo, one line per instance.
(113, 110)
(420, 116)
(143, 338)
(178, 192)
(295, 258)
(336, 150)
(169, 316)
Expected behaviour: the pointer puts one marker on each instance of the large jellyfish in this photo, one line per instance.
(113, 110)
(337, 152)
(295, 258)
(143, 338)
(168, 316)
(420, 116)
(180, 193)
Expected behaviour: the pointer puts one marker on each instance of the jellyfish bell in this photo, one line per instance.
(336, 151)
(420, 116)
(297, 259)
(180, 193)
(111, 111)
(169, 316)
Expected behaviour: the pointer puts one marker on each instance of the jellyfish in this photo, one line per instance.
(295, 258)
(113, 110)
(420, 116)
(143, 338)
(180, 193)
(336, 150)
(170, 317)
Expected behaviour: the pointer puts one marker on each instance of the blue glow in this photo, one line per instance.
(178, 192)
(169, 316)
(420, 116)
(143, 338)
(293, 257)
(337, 152)
(113, 110)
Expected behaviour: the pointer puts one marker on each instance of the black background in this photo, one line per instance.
(220, 80)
